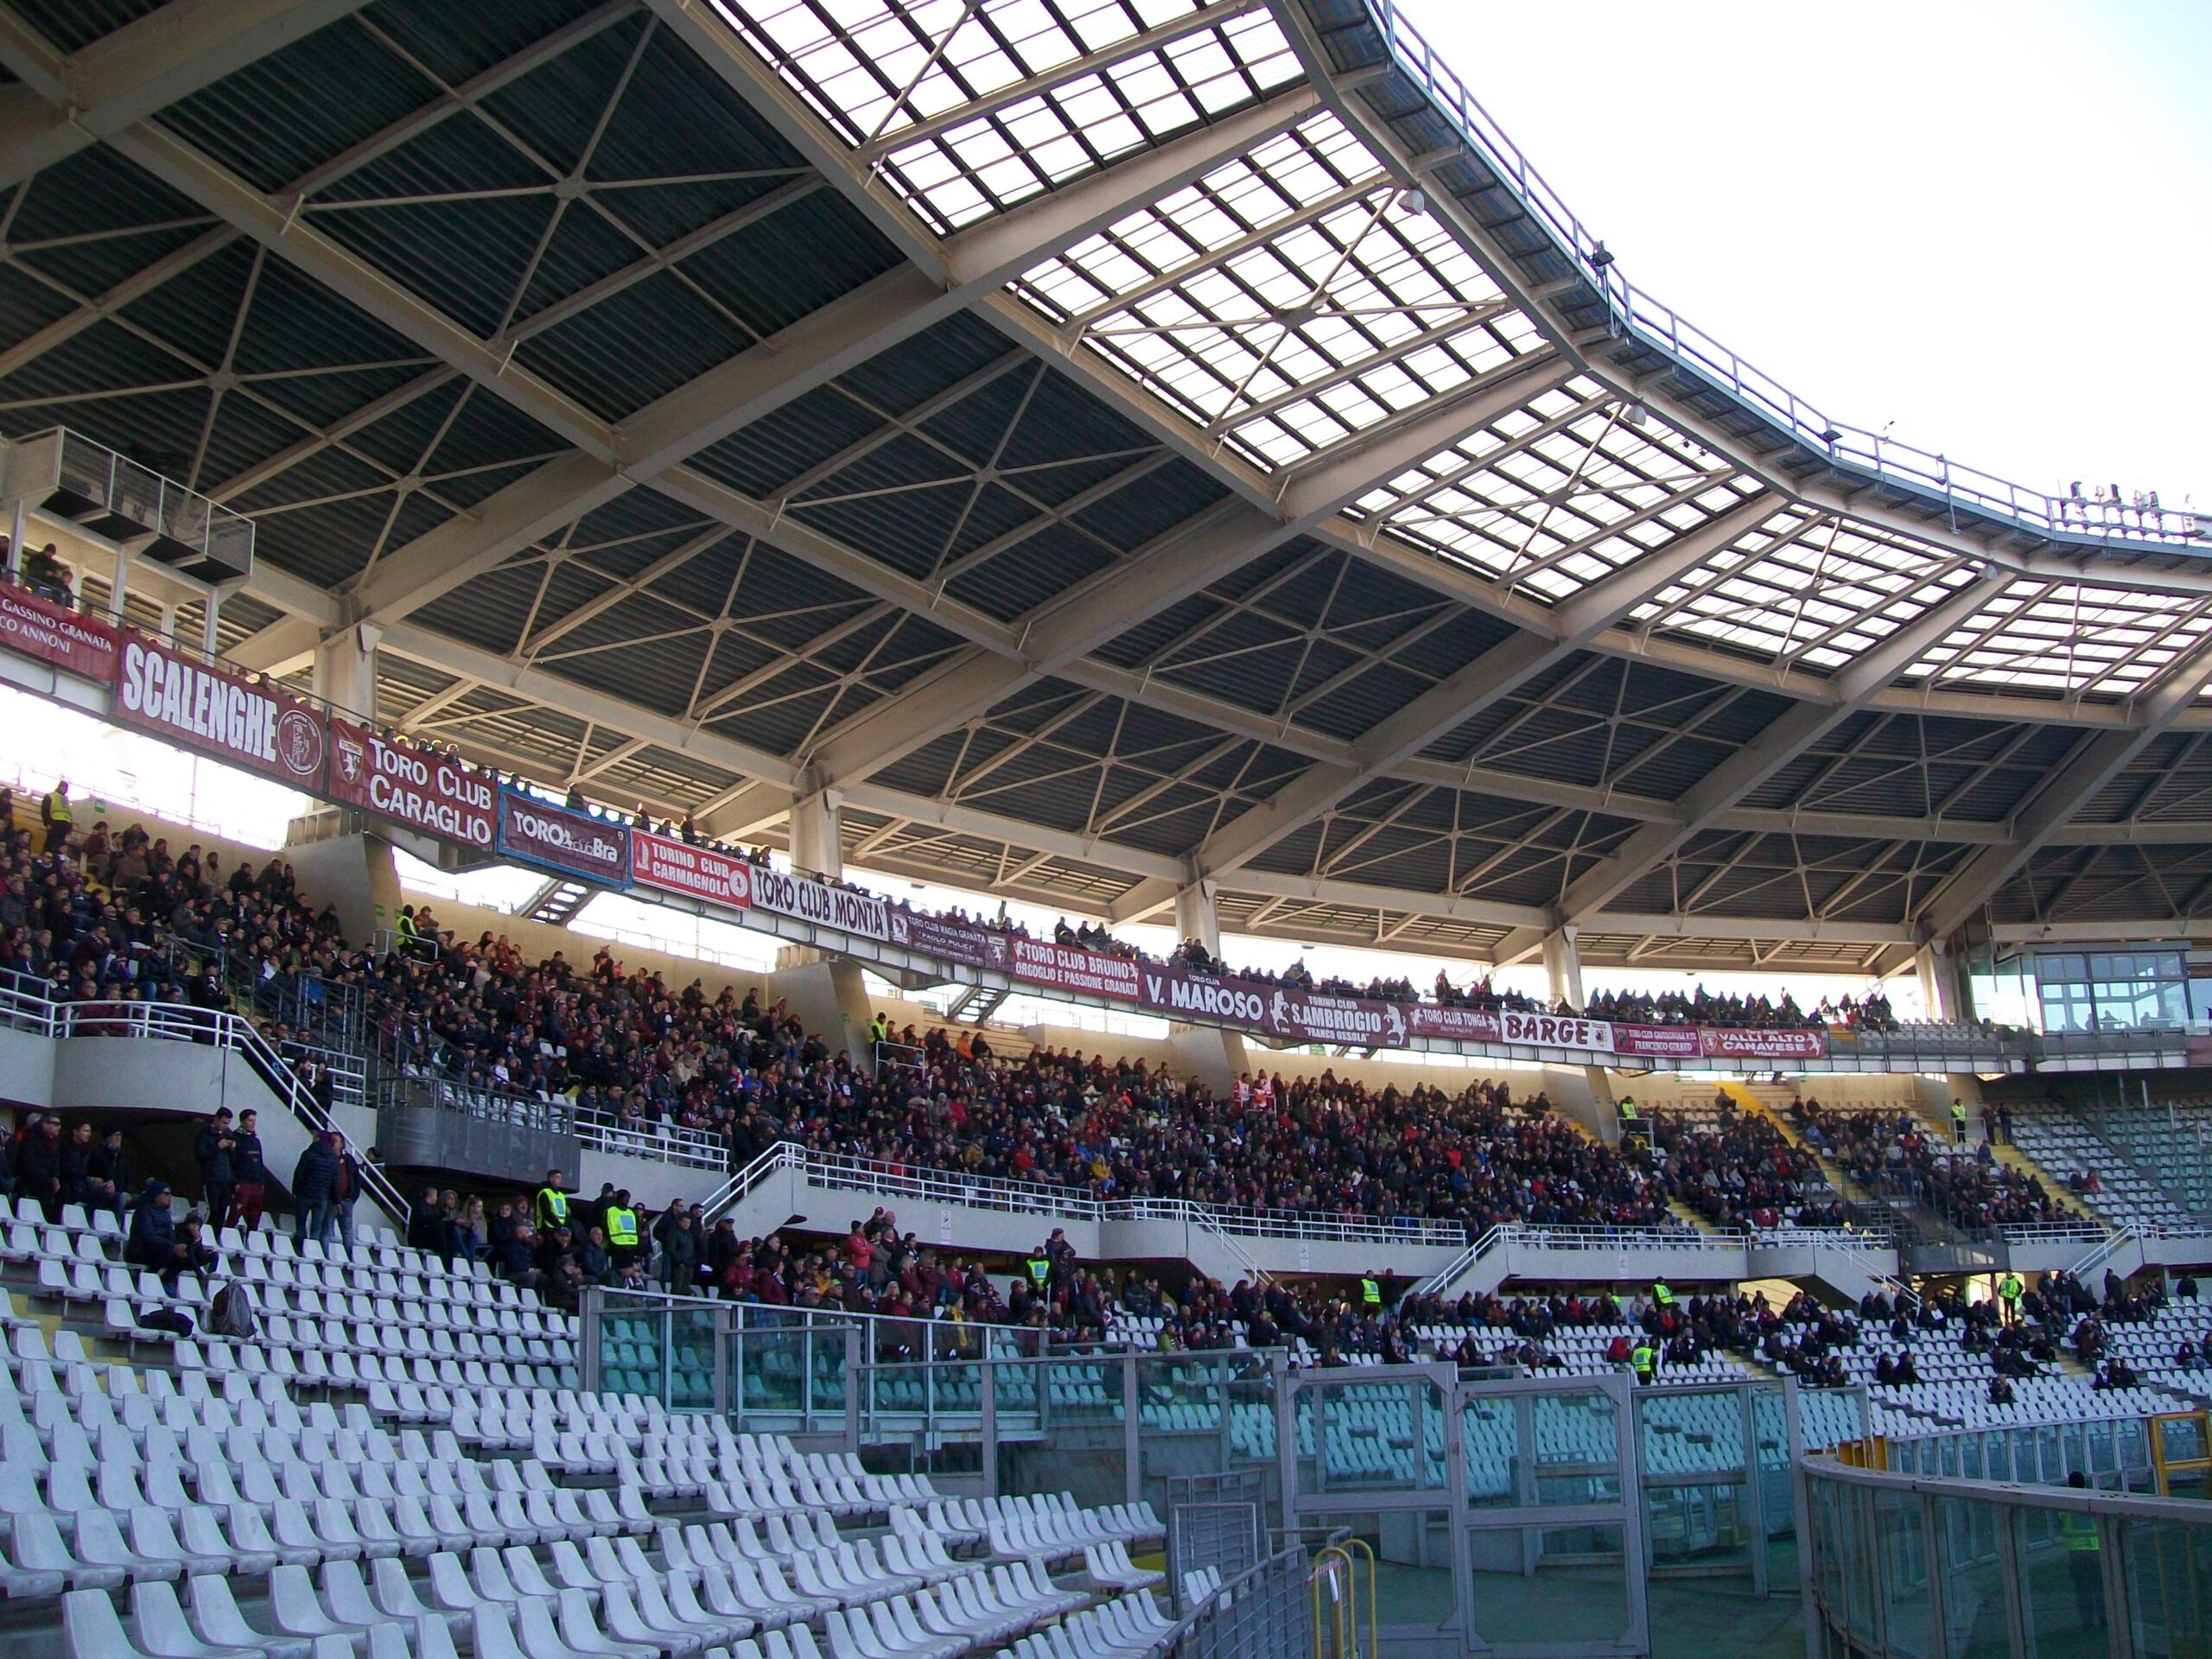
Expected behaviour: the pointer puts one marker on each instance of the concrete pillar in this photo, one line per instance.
(1216, 1057)
(1563, 964)
(1938, 971)
(828, 995)
(1195, 918)
(817, 846)
(356, 875)
(346, 669)
(816, 850)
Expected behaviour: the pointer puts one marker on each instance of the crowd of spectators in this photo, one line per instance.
(1892, 1154)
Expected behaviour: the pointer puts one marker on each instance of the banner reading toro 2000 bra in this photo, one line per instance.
(566, 841)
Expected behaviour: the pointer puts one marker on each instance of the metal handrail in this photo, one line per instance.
(183, 1022)
(1657, 325)
(899, 1179)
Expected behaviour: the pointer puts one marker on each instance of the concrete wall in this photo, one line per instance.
(354, 873)
(146, 1077)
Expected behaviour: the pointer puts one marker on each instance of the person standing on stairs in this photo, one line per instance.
(1958, 1119)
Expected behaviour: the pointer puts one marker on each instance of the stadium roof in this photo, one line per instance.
(1107, 444)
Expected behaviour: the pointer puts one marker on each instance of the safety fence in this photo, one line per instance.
(1905, 1566)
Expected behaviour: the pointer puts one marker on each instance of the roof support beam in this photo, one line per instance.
(2096, 762)
(1455, 700)
(1852, 688)
(1148, 581)
(62, 105)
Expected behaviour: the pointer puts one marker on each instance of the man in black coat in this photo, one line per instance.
(314, 1186)
(211, 1149)
(38, 1167)
(250, 1174)
(107, 1174)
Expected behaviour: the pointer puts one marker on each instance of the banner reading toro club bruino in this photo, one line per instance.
(559, 839)
(219, 713)
(418, 787)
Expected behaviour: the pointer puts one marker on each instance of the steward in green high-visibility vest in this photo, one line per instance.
(1627, 1109)
(878, 1029)
(1640, 1360)
(2009, 1291)
(1039, 1269)
(1661, 1296)
(1370, 1295)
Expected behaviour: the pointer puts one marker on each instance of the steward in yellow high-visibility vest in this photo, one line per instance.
(54, 812)
(550, 1209)
(1371, 1294)
(1660, 1295)
(1641, 1359)
(621, 1229)
(2084, 1560)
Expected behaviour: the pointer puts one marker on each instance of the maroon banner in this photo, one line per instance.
(562, 840)
(1456, 1025)
(218, 712)
(1067, 969)
(1751, 1043)
(1555, 1030)
(1657, 1042)
(414, 786)
(69, 639)
(695, 872)
(933, 936)
(1295, 1015)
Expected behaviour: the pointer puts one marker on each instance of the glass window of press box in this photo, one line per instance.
(2112, 990)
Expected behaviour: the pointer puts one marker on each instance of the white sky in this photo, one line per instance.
(1988, 221)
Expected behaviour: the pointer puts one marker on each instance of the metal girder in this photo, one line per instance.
(1168, 570)
(1356, 895)
(2095, 761)
(136, 286)
(1452, 702)
(813, 350)
(62, 105)
(466, 545)
(1848, 692)
(284, 645)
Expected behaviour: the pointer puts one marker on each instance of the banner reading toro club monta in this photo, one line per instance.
(561, 839)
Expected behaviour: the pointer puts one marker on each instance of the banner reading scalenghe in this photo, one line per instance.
(218, 712)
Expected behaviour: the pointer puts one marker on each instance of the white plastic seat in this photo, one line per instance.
(216, 1620)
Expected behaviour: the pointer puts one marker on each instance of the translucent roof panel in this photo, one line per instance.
(1805, 588)
(2063, 638)
(1287, 301)
(1558, 493)
(966, 107)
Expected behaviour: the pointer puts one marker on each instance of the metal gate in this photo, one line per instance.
(1213, 1521)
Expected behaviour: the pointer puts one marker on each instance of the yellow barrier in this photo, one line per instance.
(1330, 1563)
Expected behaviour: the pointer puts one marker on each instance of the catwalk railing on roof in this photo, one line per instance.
(1633, 311)
(26, 1006)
